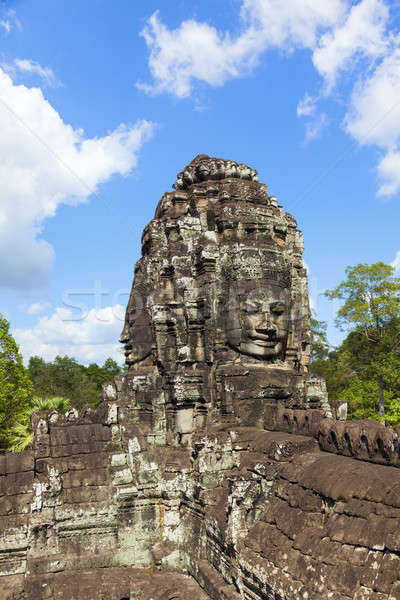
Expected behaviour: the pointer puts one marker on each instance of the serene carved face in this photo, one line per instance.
(137, 333)
(258, 322)
(202, 171)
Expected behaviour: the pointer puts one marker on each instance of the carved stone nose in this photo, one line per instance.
(266, 328)
(124, 337)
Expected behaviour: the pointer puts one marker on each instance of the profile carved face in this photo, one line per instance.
(257, 321)
(137, 333)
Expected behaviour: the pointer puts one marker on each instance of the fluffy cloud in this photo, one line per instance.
(396, 262)
(342, 37)
(198, 51)
(362, 35)
(38, 307)
(5, 25)
(374, 118)
(315, 127)
(91, 338)
(33, 68)
(306, 106)
(9, 21)
(291, 24)
(194, 51)
(337, 33)
(45, 162)
(389, 173)
(317, 121)
(364, 38)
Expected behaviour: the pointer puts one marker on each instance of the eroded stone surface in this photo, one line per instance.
(211, 469)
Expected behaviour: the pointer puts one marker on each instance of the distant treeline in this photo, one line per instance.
(59, 384)
(364, 371)
(65, 377)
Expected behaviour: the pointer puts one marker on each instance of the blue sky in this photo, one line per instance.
(101, 104)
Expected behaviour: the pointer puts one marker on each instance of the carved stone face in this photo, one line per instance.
(203, 171)
(137, 333)
(258, 321)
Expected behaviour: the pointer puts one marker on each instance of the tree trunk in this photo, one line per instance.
(381, 398)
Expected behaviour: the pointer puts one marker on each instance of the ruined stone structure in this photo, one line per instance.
(213, 468)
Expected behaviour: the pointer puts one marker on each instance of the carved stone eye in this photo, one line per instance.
(133, 314)
(278, 308)
(253, 307)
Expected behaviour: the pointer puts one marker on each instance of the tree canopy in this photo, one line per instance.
(365, 370)
(15, 386)
(371, 295)
(43, 385)
(67, 378)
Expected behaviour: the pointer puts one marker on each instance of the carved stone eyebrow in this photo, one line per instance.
(278, 305)
(255, 303)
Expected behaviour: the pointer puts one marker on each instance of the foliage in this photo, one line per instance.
(15, 385)
(42, 386)
(20, 435)
(362, 399)
(58, 384)
(320, 342)
(371, 312)
(371, 295)
(67, 378)
(392, 416)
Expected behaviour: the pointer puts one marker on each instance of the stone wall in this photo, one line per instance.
(245, 512)
(365, 440)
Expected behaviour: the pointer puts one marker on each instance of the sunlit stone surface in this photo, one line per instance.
(212, 469)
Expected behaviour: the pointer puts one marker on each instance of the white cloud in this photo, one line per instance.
(306, 106)
(6, 25)
(374, 118)
(317, 121)
(194, 51)
(45, 162)
(315, 127)
(389, 174)
(364, 40)
(396, 262)
(294, 23)
(9, 20)
(91, 339)
(38, 307)
(34, 68)
(361, 35)
(197, 51)
(343, 37)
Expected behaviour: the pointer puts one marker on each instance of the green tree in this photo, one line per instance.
(371, 309)
(20, 435)
(320, 342)
(111, 368)
(67, 378)
(361, 396)
(99, 375)
(39, 373)
(71, 381)
(15, 385)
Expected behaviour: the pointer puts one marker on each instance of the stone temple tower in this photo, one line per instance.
(217, 326)
(211, 469)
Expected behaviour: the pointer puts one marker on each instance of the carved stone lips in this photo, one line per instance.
(265, 339)
(267, 343)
